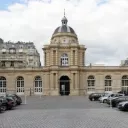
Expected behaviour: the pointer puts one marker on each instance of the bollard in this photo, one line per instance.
(110, 102)
(25, 99)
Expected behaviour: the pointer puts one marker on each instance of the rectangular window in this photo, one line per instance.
(3, 64)
(12, 64)
(12, 51)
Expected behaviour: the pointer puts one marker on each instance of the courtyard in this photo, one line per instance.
(63, 112)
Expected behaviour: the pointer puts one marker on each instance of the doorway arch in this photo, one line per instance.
(64, 85)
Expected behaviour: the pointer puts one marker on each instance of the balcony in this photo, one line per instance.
(14, 58)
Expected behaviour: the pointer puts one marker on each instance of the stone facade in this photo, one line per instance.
(20, 55)
(64, 71)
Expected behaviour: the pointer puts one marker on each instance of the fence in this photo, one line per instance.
(45, 92)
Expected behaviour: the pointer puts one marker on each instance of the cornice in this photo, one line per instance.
(64, 34)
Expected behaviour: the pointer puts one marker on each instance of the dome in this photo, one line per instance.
(64, 28)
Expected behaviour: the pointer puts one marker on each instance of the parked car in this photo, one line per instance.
(123, 106)
(1, 108)
(95, 96)
(7, 103)
(11, 102)
(3, 101)
(109, 97)
(117, 100)
(124, 92)
(16, 98)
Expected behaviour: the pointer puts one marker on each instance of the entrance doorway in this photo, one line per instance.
(64, 85)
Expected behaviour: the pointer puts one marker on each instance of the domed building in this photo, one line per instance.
(64, 71)
(64, 58)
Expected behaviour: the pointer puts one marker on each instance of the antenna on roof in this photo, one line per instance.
(64, 11)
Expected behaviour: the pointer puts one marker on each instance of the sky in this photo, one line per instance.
(101, 25)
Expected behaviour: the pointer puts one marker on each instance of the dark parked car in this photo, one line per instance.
(95, 96)
(16, 98)
(123, 106)
(7, 103)
(116, 101)
(3, 101)
(1, 108)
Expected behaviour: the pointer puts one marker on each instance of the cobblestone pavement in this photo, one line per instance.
(63, 112)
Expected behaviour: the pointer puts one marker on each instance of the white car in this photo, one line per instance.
(109, 97)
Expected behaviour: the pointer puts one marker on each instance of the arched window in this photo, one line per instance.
(125, 84)
(20, 85)
(38, 85)
(108, 83)
(2, 85)
(91, 83)
(64, 60)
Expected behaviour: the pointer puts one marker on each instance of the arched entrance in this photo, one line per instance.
(64, 85)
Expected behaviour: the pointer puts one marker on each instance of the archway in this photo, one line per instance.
(64, 85)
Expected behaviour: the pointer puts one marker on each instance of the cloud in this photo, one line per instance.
(102, 29)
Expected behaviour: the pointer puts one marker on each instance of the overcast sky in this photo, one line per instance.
(101, 25)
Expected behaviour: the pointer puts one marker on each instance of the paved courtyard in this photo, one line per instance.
(63, 112)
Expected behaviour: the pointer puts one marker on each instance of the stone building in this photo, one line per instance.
(20, 55)
(64, 71)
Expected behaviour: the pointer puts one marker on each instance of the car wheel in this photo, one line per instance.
(19, 103)
(4, 108)
(10, 108)
(93, 99)
(104, 101)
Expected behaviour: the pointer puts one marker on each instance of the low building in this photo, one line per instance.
(64, 71)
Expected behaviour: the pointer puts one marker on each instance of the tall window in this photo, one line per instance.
(108, 83)
(125, 84)
(91, 83)
(3, 64)
(20, 85)
(2, 85)
(38, 85)
(12, 64)
(64, 60)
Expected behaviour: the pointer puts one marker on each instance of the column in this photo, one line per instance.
(57, 57)
(71, 57)
(116, 82)
(76, 80)
(56, 80)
